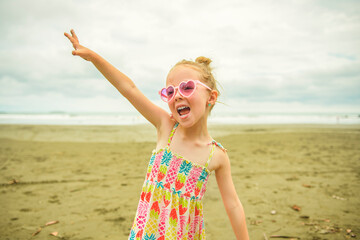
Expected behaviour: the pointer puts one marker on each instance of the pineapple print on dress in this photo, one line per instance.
(139, 235)
(152, 223)
(194, 227)
(183, 207)
(164, 215)
(173, 221)
(172, 225)
(156, 166)
(202, 181)
(165, 162)
(181, 177)
(191, 181)
(172, 171)
(142, 210)
(151, 163)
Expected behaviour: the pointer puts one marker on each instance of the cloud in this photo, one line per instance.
(270, 53)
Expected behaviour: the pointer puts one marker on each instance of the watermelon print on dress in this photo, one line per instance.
(170, 205)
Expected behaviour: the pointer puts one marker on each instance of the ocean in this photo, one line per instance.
(64, 118)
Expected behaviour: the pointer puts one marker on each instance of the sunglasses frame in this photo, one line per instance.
(196, 82)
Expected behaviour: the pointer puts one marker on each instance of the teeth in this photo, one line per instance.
(181, 108)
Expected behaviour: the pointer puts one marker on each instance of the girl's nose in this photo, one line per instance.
(177, 94)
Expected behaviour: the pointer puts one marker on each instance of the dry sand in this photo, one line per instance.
(89, 179)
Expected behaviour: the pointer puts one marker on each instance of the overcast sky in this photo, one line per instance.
(269, 56)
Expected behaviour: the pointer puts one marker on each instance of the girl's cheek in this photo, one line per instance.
(171, 107)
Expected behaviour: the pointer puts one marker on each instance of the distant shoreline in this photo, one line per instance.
(147, 133)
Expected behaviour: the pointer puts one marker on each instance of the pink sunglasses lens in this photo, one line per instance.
(163, 95)
(167, 93)
(187, 88)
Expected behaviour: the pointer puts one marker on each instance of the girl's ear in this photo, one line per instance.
(213, 97)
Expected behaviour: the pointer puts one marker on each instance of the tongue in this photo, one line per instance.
(184, 111)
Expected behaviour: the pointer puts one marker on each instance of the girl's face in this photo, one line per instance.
(188, 110)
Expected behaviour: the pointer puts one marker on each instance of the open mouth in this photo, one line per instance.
(183, 111)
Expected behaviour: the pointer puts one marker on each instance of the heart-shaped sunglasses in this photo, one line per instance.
(186, 89)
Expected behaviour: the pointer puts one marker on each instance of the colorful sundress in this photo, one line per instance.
(170, 205)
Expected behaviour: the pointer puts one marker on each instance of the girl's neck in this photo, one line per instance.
(197, 133)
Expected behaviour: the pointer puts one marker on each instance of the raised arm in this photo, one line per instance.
(153, 113)
(233, 206)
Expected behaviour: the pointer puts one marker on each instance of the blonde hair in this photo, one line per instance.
(202, 65)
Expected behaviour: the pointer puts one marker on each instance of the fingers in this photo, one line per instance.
(73, 39)
(67, 35)
(74, 35)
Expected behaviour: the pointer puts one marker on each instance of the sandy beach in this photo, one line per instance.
(299, 181)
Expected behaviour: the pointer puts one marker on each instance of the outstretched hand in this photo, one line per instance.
(80, 50)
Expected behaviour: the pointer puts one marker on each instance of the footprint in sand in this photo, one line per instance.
(29, 193)
(119, 219)
(54, 199)
(25, 210)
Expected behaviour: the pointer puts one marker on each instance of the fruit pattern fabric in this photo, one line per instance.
(170, 205)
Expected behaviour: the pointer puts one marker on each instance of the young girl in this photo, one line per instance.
(170, 205)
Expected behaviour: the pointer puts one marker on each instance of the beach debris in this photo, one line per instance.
(51, 223)
(43, 226)
(13, 181)
(54, 234)
(273, 212)
(349, 232)
(310, 224)
(281, 236)
(307, 185)
(338, 198)
(327, 229)
(324, 226)
(293, 178)
(255, 222)
(323, 231)
(265, 237)
(296, 208)
(305, 216)
(37, 232)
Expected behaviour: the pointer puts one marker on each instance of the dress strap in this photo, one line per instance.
(214, 144)
(172, 134)
(211, 154)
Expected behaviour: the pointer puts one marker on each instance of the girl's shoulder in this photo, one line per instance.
(219, 157)
(219, 145)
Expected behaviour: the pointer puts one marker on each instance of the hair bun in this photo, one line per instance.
(203, 60)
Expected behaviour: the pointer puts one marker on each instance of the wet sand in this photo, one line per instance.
(89, 179)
